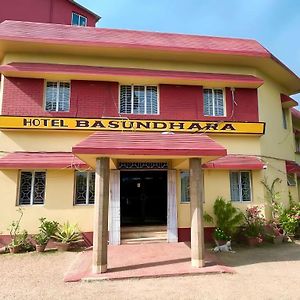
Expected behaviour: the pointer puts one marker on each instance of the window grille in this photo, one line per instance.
(240, 186)
(57, 96)
(32, 188)
(137, 99)
(213, 102)
(143, 165)
(84, 187)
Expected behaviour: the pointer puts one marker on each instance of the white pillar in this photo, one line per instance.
(100, 235)
(114, 209)
(196, 196)
(172, 208)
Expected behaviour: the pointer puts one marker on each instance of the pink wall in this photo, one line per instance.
(24, 97)
(95, 99)
(43, 11)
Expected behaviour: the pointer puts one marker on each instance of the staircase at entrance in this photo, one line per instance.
(143, 234)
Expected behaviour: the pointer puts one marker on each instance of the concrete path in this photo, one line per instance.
(144, 260)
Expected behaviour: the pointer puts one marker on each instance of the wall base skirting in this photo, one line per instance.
(184, 235)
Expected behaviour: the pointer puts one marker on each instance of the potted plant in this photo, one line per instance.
(41, 240)
(18, 242)
(254, 226)
(47, 227)
(227, 219)
(19, 239)
(66, 235)
(274, 232)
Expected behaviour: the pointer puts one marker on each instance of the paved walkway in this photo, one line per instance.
(144, 260)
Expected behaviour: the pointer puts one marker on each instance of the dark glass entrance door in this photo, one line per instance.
(143, 198)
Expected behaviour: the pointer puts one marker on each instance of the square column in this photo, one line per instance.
(196, 205)
(100, 235)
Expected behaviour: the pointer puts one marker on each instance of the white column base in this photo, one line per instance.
(99, 269)
(196, 263)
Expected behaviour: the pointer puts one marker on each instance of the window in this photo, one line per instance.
(284, 119)
(291, 179)
(240, 186)
(138, 99)
(78, 20)
(85, 187)
(57, 96)
(32, 188)
(213, 101)
(297, 142)
(185, 186)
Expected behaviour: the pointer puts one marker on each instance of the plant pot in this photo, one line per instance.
(63, 246)
(278, 239)
(40, 248)
(254, 241)
(15, 249)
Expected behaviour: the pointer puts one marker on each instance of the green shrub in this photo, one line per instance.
(227, 217)
(255, 222)
(19, 237)
(67, 233)
(41, 238)
(48, 228)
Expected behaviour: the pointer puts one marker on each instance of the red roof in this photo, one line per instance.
(292, 167)
(43, 160)
(295, 113)
(287, 101)
(236, 162)
(134, 143)
(93, 71)
(105, 37)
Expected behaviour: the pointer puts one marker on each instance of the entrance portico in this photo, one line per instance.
(103, 150)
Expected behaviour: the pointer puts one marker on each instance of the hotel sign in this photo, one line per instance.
(116, 124)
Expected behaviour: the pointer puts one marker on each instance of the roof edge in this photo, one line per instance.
(86, 9)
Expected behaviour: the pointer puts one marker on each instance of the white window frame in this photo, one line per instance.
(87, 188)
(57, 95)
(240, 189)
(224, 101)
(79, 16)
(31, 187)
(132, 99)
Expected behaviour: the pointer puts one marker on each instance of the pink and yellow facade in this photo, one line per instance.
(152, 121)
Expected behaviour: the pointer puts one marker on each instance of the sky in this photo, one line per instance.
(274, 23)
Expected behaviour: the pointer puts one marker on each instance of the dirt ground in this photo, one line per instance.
(268, 272)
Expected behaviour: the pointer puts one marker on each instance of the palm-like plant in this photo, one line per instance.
(67, 233)
(228, 218)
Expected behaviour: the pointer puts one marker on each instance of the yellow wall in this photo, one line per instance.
(58, 202)
(217, 184)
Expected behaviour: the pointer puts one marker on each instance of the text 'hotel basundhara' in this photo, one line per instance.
(163, 120)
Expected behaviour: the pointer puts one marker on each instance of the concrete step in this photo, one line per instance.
(144, 234)
(147, 240)
(143, 228)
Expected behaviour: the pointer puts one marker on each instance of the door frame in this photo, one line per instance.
(115, 206)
